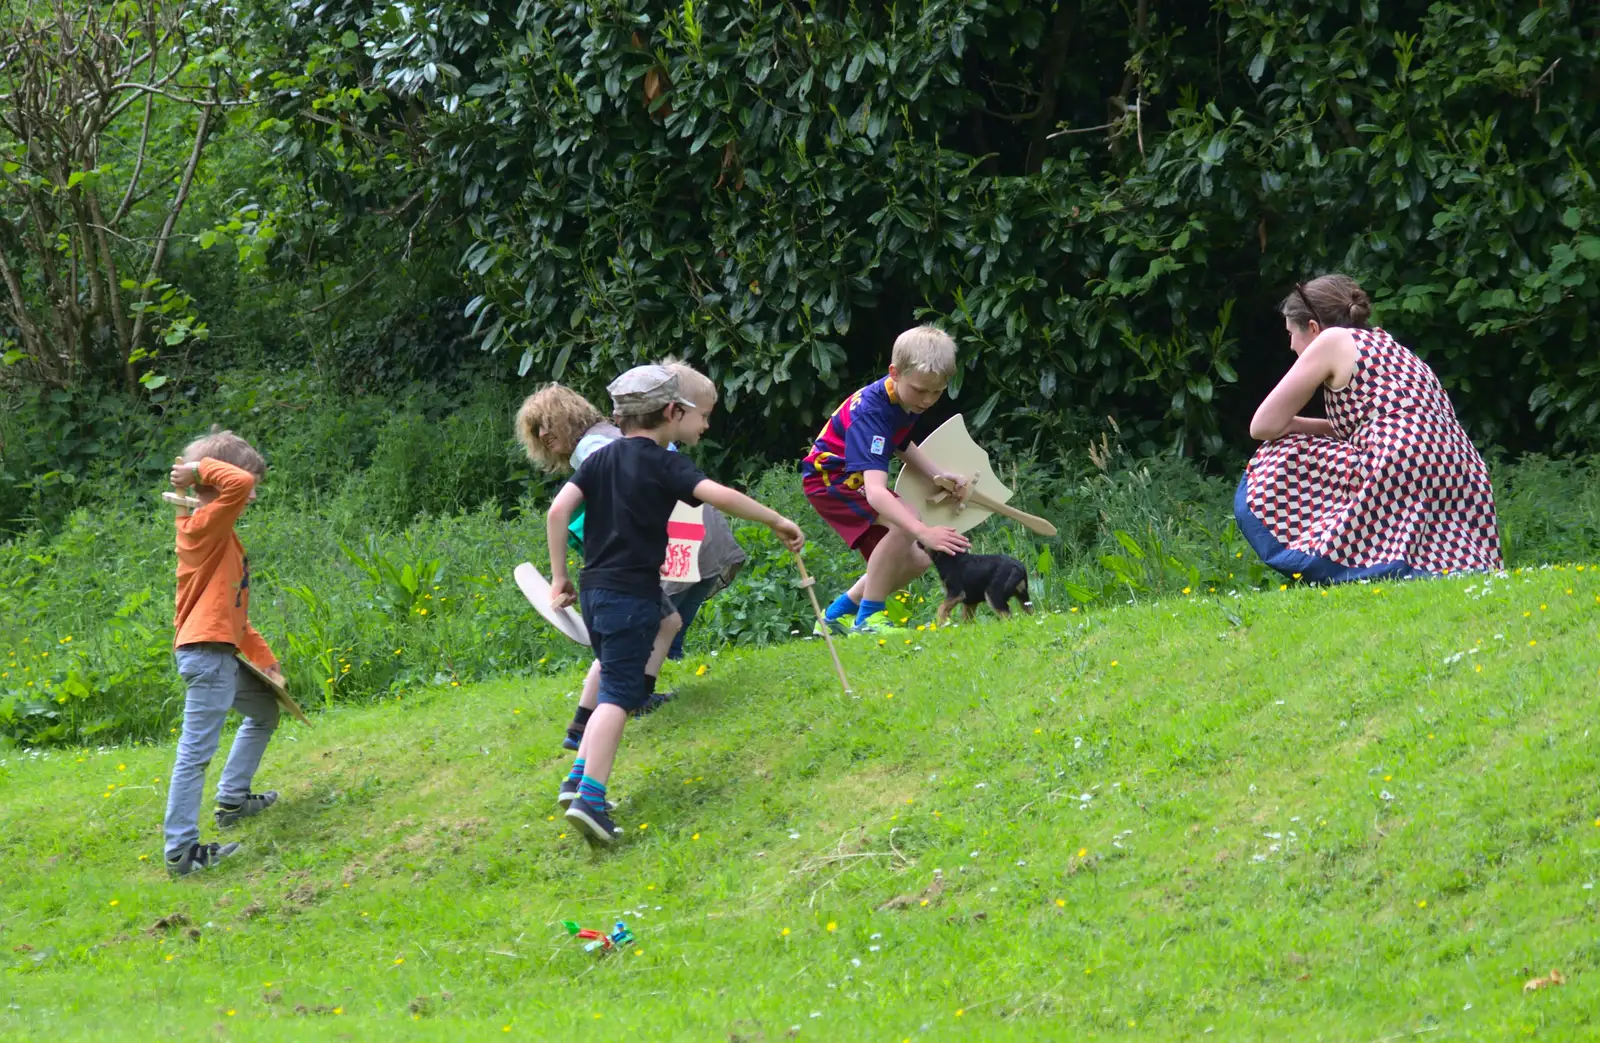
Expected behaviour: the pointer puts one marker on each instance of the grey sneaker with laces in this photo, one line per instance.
(198, 857)
(252, 805)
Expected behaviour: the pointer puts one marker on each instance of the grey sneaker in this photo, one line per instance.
(198, 857)
(253, 804)
(569, 793)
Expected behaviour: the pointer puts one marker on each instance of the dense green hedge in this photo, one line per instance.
(776, 188)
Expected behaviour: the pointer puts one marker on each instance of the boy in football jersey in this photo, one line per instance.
(846, 478)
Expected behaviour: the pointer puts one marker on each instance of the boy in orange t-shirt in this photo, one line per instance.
(212, 623)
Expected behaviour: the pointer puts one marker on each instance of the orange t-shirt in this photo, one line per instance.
(213, 573)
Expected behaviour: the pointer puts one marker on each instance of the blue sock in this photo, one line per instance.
(576, 774)
(842, 606)
(867, 611)
(593, 792)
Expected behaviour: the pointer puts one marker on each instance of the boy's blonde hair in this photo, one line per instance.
(563, 412)
(693, 384)
(925, 349)
(227, 447)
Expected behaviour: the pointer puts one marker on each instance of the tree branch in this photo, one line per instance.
(1044, 117)
(202, 132)
(138, 163)
(320, 118)
(1080, 130)
(347, 291)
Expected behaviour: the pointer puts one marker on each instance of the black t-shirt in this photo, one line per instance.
(629, 490)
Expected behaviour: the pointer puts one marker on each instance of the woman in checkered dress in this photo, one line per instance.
(1389, 485)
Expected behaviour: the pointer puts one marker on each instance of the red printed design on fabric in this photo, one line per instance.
(1401, 482)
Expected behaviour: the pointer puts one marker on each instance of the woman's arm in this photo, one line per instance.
(1276, 415)
(1310, 425)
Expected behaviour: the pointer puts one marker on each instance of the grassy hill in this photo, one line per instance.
(1357, 814)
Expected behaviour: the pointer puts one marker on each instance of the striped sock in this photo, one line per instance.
(842, 606)
(867, 610)
(593, 792)
(576, 774)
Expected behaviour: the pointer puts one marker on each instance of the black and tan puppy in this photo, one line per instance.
(971, 578)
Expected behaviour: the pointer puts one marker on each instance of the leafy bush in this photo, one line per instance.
(1549, 509)
(419, 448)
(87, 636)
(361, 607)
(778, 189)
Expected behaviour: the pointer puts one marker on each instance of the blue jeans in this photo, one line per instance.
(688, 605)
(217, 683)
(622, 632)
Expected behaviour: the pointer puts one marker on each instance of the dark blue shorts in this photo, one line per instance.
(622, 632)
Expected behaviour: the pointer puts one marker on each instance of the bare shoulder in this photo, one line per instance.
(1336, 353)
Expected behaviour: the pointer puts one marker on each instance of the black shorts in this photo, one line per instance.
(622, 632)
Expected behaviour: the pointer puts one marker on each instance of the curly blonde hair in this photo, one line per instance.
(227, 447)
(561, 411)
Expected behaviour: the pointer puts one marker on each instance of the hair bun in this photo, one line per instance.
(1360, 307)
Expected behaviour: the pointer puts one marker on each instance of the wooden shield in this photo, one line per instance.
(537, 590)
(278, 691)
(954, 450)
(686, 531)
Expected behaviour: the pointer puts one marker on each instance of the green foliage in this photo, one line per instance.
(777, 190)
(100, 142)
(416, 447)
(387, 530)
(445, 464)
(86, 642)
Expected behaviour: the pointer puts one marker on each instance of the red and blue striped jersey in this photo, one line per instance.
(861, 435)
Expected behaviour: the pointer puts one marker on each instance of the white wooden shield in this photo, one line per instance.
(954, 450)
(537, 590)
(686, 532)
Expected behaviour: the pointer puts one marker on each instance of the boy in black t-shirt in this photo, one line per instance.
(628, 489)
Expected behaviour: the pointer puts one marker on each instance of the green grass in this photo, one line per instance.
(1360, 814)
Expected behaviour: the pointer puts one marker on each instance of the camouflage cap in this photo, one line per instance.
(645, 389)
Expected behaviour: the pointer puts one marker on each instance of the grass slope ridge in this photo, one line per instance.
(1341, 815)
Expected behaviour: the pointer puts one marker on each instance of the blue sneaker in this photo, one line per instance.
(595, 823)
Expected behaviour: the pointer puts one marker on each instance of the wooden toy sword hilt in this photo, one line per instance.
(1031, 522)
(186, 505)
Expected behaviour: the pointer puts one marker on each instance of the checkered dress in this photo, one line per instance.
(1398, 491)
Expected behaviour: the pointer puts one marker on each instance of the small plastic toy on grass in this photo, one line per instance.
(604, 942)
